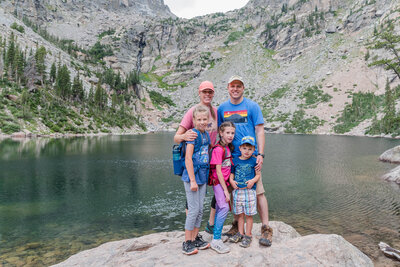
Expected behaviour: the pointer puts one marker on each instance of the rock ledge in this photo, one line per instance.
(164, 249)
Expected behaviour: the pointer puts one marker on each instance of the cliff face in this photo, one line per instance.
(286, 46)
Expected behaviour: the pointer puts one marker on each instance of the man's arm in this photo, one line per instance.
(260, 145)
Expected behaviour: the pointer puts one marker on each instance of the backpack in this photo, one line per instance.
(178, 158)
(212, 181)
(179, 153)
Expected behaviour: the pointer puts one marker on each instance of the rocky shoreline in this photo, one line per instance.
(288, 248)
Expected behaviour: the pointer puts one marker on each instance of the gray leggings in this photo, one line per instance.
(195, 201)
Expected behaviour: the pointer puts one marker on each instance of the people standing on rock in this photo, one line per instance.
(185, 132)
(248, 119)
(220, 164)
(195, 177)
(243, 180)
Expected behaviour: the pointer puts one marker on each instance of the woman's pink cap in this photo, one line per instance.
(206, 85)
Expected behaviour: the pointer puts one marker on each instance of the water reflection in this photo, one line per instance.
(69, 194)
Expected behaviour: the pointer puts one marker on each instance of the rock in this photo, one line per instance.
(393, 175)
(379, 13)
(18, 135)
(389, 251)
(331, 29)
(392, 155)
(12, 97)
(288, 249)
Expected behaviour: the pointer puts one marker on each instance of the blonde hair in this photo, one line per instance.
(200, 109)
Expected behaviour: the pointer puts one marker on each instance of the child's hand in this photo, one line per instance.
(234, 184)
(193, 186)
(250, 183)
(227, 196)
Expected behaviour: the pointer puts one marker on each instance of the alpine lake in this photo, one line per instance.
(59, 196)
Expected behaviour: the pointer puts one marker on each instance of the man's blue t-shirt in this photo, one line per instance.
(245, 116)
(200, 158)
(244, 171)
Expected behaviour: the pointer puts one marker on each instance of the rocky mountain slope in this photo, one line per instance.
(303, 60)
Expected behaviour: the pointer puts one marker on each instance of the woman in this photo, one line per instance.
(185, 132)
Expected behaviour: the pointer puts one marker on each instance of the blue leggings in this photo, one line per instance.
(222, 209)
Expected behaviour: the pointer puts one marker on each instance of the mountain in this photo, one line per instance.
(304, 62)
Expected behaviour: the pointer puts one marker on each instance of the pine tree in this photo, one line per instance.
(387, 39)
(390, 110)
(77, 89)
(53, 72)
(9, 61)
(63, 82)
(100, 97)
(40, 56)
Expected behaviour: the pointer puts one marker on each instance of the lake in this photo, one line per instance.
(61, 196)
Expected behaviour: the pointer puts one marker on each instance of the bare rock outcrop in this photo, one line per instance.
(392, 155)
(164, 249)
(393, 176)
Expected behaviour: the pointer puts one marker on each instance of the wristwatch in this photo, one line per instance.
(260, 154)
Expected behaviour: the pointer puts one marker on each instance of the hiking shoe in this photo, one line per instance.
(236, 238)
(188, 248)
(234, 229)
(246, 241)
(219, 246)
(209, 228)
(266, 236)
(200, 243)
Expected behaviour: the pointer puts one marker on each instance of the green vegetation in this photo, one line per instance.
(314, 95)
(17, 27)
(107, 32)
(159, 100)
(363, 106)
(280, 92)
(300, 124)
(233, 36)
(152, 77)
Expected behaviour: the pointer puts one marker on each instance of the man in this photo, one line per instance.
(248, 119)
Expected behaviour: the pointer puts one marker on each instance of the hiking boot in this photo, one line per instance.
(219, 246)
(188, 248)
(266, 236)
(236, 238)
(209, 228)
(234, 229)
(246, 241)
(200, 243)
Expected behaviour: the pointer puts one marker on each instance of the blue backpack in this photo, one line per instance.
(179, 152)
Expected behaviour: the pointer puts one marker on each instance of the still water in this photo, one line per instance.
(61, 196)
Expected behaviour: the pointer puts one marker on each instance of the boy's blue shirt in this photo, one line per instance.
(244, 171)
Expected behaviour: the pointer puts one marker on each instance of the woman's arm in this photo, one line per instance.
(189, 166)
(182, 134)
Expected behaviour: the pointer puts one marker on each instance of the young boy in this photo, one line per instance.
(243, 180)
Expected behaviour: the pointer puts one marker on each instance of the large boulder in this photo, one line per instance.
(392, 155)
(393, 175)
(164, 249)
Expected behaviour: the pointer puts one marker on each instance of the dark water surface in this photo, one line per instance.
(61, 196)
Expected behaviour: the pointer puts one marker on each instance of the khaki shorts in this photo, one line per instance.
(260, 187)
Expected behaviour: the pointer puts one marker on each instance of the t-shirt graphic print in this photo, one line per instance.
(238, 116)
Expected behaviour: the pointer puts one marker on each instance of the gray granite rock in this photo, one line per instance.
(392, 155)
(164, 249)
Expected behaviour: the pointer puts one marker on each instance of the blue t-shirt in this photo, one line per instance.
(244, 171)
(200, 158)
(245, 116)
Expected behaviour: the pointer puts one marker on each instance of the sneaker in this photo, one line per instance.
(246, 241)
(188, 248)
(200, 243)
(234, 229)
(266, 236)
(209, 228)
(236, 238)
(219, 246)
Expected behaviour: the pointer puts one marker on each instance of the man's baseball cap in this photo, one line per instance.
(248, 140)
(236, 78)
(206, 85)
